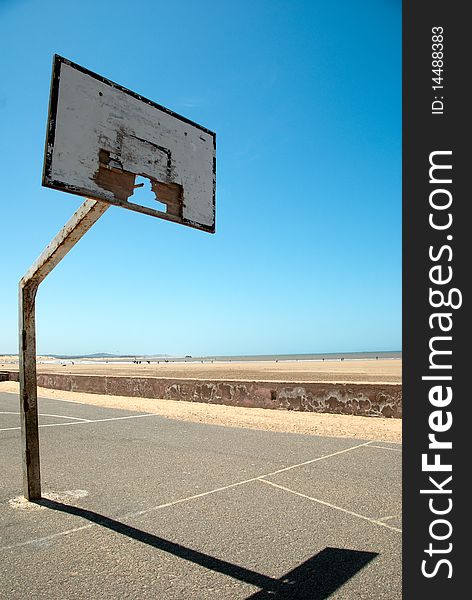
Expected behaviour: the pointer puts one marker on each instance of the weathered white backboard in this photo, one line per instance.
(101, 137)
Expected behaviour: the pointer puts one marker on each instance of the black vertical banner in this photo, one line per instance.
(436, 327)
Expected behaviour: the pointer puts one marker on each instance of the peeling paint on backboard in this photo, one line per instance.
(101, 137)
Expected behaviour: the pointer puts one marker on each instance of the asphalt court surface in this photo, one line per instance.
(141, 506)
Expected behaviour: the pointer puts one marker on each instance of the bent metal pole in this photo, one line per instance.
(82, 220)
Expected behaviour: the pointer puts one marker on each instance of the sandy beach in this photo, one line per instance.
(333, 371)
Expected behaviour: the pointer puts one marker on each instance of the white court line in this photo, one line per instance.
(102, 420)
(329, 505)
(4, 412)
(250, 480)
(86, 421)
(313, 460)
(41, 398)
(390, 517)
(386, 448)
(180, 500)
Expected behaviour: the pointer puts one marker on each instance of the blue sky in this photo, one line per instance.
(305, 98)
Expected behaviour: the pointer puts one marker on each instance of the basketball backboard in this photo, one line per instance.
(101, 137)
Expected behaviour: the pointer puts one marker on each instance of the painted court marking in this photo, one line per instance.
(81, 421)
(5, 412)
(388, 517)
(214, 491)
(329, 505)
(386, 448)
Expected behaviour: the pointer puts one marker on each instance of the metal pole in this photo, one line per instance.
(82, 220)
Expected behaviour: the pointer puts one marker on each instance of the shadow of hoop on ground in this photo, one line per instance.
(319, 576)
(315, 579)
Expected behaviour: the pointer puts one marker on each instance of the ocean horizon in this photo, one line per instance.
(317, 356)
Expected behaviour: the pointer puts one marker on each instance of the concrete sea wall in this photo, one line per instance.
(366, 399)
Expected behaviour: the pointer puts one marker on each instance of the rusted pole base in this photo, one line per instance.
(88, 213)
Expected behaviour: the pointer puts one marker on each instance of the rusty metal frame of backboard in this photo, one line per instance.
(83, 219)
(49, 180)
